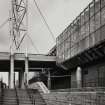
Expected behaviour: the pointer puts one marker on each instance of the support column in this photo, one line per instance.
(26, 70)
(79, 77)
(21, 79)
(12, 71)
(9, 79)
(49, 80)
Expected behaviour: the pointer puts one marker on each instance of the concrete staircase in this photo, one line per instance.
(9, 97)
(23, 97)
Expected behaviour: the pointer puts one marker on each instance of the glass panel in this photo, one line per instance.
(82, 30)
(72, 52)
(103, 16)
(97, 20)
(76, 48)
(71, 29)
(87, 28)
(91, 40)
(78, 23)
(82, 18)
(97, 5)
(92, 25)
(97, 36)
(62, 48)
(68, 53)
(80, 46)
(91, 9)
(60, 39)
(72, 40)
(102, 3)
(67, 44)
(75, 37)
(103, 33)
(86, 42)
(63, 36)
(87, 14)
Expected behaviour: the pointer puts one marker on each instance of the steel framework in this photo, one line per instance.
(19, 22)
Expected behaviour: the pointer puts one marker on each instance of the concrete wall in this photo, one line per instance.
(92, 76)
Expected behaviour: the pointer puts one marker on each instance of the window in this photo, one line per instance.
(83, 30)
(97, 20)
(103, 16)
(91, 9)
(91, 40)
(82, 19)
(87, 28)
(92, 25)
(86, 14)
(97, 5)
(102, 3)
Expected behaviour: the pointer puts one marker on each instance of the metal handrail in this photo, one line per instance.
(17, 98)
(30, 96)
(83, 98)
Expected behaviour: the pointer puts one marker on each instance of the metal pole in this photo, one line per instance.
(11, 71)
(26, 27)
(26, 70)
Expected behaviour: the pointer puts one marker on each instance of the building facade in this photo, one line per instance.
(80, 47)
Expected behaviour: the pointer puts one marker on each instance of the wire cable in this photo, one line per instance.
(33, 44)
(4, 23)
(26, 42)
(45, 21)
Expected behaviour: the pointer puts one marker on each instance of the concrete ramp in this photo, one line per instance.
(41, 57)
(40, 86)
(31, 57)
(43, 87)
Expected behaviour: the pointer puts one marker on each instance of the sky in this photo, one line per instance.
(58, 14)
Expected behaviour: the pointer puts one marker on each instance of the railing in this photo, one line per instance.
(76, 98)
(30, 96)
